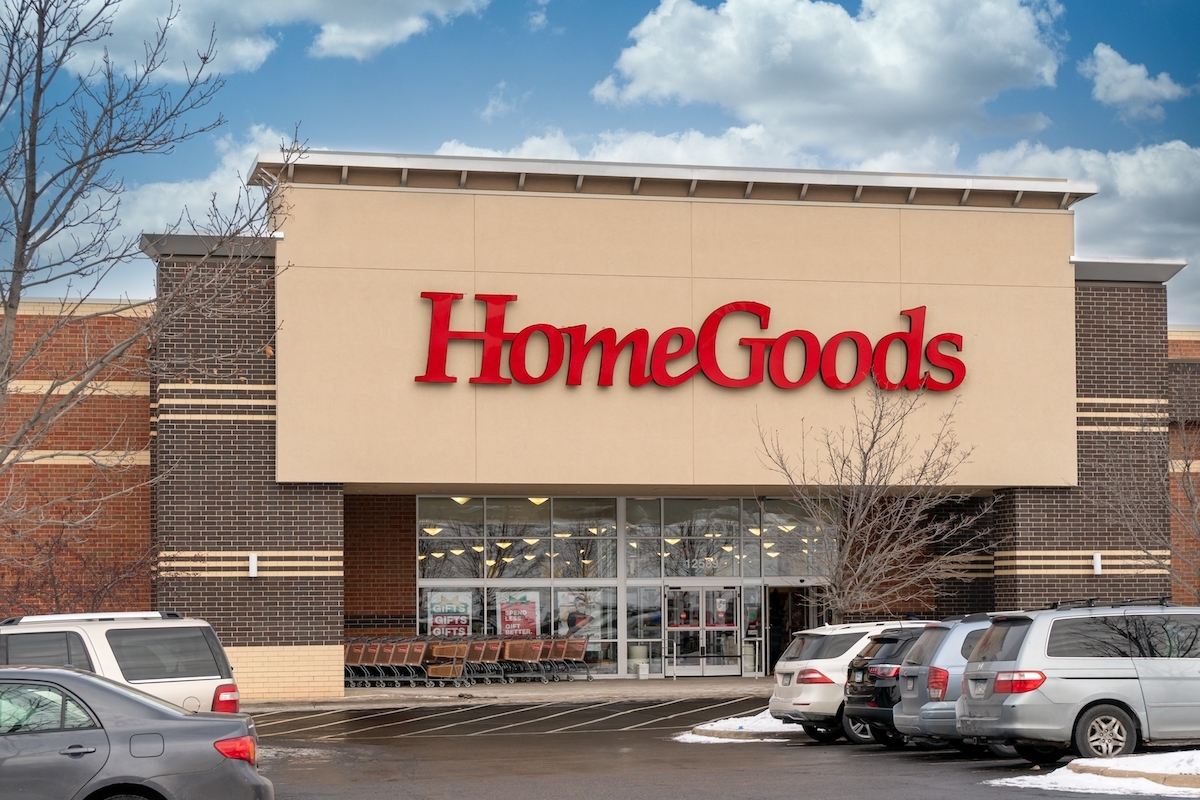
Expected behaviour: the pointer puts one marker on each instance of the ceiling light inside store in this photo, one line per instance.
(478, 548)
(507, 560)
(671, 541)
(531, 541)
(537, 501)
(437, 555)
(772, 555)
(503, 545)
(461, 500)
(768, 545)
(530, 557)
(586, 560)
(432, 531)
(562, 536)
(755, 531)
(593, 530)
(633, 545)
(728, 548)
(786, 528)
(420, 558)
(457, 552)
(491, 562)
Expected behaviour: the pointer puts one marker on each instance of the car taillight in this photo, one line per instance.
(885, 671)
(1018, 682)
(937, 682)
(243, 748)
(811, 676)
(226, 699)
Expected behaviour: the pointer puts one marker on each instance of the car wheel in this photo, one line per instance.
(1002, 750)
(1040, 753)
(1104, 732)
(890, 739)
(822, 733)
(932, 744)
(857, 731)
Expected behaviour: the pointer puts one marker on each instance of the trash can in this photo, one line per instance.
(749, 652)
(643, 671)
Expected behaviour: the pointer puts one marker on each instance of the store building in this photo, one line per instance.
(525, 397)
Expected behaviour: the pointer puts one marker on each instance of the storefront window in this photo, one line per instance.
(515, 613)
(518, 537)
(643, 612)
(584, 534)
(788, 539)
(701, 538)
(451, 613)
(751, 538)
(590, 612)
(643, 537)
(450, 537)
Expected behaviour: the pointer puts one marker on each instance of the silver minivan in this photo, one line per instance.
(1099, 680)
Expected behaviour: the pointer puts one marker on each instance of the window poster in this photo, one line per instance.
(449, 613)
(579, 613)
(518, 613)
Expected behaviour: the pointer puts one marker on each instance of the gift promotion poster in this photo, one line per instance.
(518, 613)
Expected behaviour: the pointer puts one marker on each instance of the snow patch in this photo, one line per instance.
(759, 723)
(692, 738)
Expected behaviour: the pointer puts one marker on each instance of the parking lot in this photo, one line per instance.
(616, 749)
(500, 719)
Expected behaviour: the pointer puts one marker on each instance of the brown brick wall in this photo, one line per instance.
(380, 559)
(216, 494)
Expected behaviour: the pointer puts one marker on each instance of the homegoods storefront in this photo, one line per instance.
(517, 397)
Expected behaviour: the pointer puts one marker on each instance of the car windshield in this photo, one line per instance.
(892, 650)
(1002, 641)
(923, 651)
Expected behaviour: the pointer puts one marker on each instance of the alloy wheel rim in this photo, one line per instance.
(1106, 736)
(861, 729)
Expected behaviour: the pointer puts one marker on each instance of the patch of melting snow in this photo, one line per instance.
(1064, 780)
(759, 723)
(692, 738)
(293, 754)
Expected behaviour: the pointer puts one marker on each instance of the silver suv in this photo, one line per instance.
(1097, 679)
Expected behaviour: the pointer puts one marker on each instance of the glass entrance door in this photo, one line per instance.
(702, 632)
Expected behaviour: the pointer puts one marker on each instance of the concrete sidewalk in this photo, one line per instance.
(578, 691)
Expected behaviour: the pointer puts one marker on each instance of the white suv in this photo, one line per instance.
(158, 652)
(810, 678)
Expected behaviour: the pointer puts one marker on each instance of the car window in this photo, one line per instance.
(54, 649)
(836, 645)
(1088, 637)
(972, 639)
(155, 654)
(801, 646)
(1165, 635)
(31, 708)
(891, 651)
(873, 647)
(923, 651)
(1002, 641)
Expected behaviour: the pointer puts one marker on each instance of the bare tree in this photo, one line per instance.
(887, 523)
(1149, 483)
(65, 125)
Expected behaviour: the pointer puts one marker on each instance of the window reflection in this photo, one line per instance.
(701, 538)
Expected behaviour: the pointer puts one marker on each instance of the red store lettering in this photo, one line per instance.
(765, 357)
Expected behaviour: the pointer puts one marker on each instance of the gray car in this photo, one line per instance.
(1099, 680)
(71, 735)
(931, 679)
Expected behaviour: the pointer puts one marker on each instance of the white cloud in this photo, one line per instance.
(552, 145)
(498, 105)
(537, 18)
(1129, 87)
(1146, 207)
(891, 77)
(245, 38)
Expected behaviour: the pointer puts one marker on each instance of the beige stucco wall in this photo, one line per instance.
(354, 332)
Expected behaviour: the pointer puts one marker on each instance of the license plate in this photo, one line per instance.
(858, 676)
(978, 688)
(910, 684)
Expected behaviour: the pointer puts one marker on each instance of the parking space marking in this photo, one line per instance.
(571, 710)
(618, 714)
(300, 718)
(686, 713)
(339, 722)
(476, 719)
(404, 721)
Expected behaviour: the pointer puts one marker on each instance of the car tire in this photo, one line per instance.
(1104, 732)
(1002, 750)
(893, 740)
(822, 733)
(1040, 753)
(857, 731)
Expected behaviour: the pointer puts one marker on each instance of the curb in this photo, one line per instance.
(747, 736)
(1183, 781)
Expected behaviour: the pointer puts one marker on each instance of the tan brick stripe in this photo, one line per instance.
(236, 564)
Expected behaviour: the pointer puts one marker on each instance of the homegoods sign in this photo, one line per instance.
(929, 363)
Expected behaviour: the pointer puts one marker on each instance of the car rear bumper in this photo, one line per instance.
(230, 780)
(933, 719)
(871, 714)
(790, 711)
(1028, 718)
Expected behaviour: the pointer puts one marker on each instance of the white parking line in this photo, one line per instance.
(404, 721)
(686, 713)
(541, 719)
(301, 718)
(618, 714)
(340, 722)
(476, 719)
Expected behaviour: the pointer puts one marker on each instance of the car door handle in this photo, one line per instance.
(76, 750)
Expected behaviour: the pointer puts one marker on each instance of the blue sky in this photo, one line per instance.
(1096, 90)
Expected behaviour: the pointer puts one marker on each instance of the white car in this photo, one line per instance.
(162, 653)
(810, 678)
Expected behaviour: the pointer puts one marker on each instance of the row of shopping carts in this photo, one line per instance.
(463, 662)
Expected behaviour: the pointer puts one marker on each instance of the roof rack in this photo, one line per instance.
(96, 616)
(1083, 602)
(1160, 600)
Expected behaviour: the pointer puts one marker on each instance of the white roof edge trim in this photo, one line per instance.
(332, 158)
(1127, 270)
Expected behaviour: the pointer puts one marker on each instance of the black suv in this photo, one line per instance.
(873, 686)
